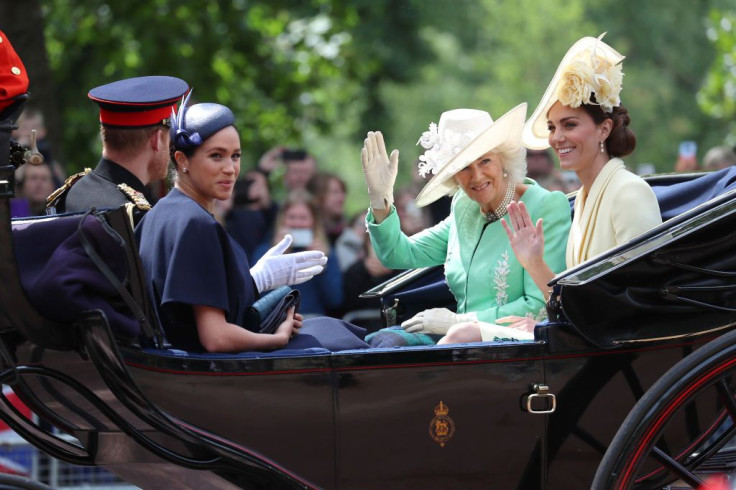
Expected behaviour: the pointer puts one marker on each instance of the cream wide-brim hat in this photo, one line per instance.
(506, 129)
(535, 134)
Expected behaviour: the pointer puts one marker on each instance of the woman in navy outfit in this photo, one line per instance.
(199, 277)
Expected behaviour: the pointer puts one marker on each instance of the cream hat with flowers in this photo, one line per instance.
(590, 67)
(462, 136)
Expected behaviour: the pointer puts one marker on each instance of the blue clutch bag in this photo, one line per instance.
(269, 311)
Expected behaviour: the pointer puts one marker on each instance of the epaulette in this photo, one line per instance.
(137, 197)
(53, 198)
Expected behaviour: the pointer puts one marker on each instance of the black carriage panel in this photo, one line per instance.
(595, 390)
(280, 404)
(441, 417)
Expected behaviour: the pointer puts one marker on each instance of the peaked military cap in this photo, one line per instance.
(13, 76)
(138, 102)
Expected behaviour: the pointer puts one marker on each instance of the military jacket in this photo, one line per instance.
(109, 185)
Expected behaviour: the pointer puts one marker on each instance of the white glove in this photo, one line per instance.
(274, 269)
(380, 170)
(436, 320)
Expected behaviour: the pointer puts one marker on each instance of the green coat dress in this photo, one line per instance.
(480, 267)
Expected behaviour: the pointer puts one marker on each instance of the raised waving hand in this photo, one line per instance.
(380, 170)
(527, 242)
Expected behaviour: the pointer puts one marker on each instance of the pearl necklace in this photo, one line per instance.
(500, 210)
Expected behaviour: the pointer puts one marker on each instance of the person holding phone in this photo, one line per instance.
(299, 166)
(300, 218)
(198, 276)
(687, 160)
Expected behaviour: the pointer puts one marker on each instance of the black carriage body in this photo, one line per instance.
(365, 420)
(528, 414)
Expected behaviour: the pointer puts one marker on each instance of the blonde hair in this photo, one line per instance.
(301, 196)
(513, 161)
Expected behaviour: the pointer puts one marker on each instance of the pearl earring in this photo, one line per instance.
(505, 174)
(603, 147)
(184, 170)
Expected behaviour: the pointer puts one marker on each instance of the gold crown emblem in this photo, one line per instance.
(441, 409)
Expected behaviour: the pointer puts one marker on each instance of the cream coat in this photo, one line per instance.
(618, 207)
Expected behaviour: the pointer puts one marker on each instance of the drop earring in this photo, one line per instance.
(603, 147)
(185, 170)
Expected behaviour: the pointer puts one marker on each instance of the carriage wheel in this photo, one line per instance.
(673, 431)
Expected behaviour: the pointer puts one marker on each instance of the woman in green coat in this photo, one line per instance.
(483, 164)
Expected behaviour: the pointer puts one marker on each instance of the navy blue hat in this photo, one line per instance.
(138, 102)
(196, 123)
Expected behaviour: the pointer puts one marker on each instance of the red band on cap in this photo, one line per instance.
(138, 118)
(13, 76)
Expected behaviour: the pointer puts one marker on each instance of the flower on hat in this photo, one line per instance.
(440, 148)
(577, 84)
(609, 88)
(591, 75)
(429, 138)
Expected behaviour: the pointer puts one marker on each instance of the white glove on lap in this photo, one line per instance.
(380, 170)
(436, 321)
(274, 269)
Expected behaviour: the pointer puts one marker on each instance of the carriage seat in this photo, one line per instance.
(676, 196)
(59, 278)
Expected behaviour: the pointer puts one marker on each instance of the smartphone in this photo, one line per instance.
(688, 149)
(301, 237)
(290, 155)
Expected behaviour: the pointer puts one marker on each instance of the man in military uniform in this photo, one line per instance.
(134, 127)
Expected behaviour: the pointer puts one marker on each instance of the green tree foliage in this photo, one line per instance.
(277, 64)
(504, 54)
(667, 54)
(321, 73)
(512, 54)
(718, 94)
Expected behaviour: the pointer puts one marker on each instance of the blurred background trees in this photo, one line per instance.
(320, 73)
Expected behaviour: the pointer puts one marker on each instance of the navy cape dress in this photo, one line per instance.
(189, 259)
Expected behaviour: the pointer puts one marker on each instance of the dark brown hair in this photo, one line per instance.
(320, 183)
(622, 140)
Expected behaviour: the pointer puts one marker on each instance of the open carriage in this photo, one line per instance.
(628, 385)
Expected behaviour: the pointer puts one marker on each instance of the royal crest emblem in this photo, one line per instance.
(442, 427)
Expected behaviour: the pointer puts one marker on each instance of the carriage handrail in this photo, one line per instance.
(397, 282)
